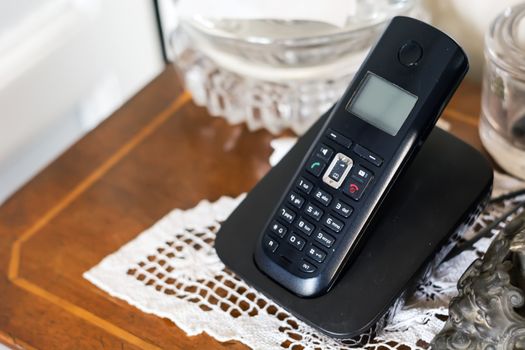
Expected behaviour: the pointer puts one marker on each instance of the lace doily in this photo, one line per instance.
(172, 270)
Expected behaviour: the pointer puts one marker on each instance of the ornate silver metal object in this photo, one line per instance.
(489, 312)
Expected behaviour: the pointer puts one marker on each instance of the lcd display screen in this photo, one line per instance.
(382, 104)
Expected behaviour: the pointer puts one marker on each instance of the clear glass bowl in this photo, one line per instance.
(502, 124)
(278, 74)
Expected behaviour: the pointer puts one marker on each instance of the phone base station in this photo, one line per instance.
(441, 191)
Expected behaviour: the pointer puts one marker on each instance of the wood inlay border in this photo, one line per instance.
(93, 177)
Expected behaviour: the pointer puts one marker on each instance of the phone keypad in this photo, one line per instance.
(296, 241)
(312, 218)
(323, 197)
(295, 200)
(278, 229)
(324, 239)
(333, 224)
(314, 212)
(305, 185)
(316, 254)
(287, 215)
(342, 208)
(304, 226)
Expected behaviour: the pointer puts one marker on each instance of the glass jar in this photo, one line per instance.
(502, 124)
(278, 74)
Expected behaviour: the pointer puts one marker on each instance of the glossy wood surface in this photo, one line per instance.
(156, 153)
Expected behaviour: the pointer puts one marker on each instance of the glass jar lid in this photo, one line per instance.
(505, 41)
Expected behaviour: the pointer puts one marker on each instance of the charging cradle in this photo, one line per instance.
(442, 189)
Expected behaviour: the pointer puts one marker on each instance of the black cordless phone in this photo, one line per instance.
(374, 130)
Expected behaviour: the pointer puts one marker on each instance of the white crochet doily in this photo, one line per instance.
(172, 270)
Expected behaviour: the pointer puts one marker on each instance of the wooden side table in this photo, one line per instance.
(158, 152)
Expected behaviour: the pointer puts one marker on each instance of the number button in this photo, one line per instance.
(296, 241)
(278, 229)
(325, 239)
(313, 212)
(305, 266)
(286, 214)
(323, 197)
(342, 208)
(316, 254)
(270, 244)
(306, 227)
(295, 200)
(305, 185)
(315, 166)
(333, 224)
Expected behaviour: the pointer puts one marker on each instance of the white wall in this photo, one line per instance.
(468, 21)
(65, 65)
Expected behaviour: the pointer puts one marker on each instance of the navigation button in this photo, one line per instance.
(338, 170)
